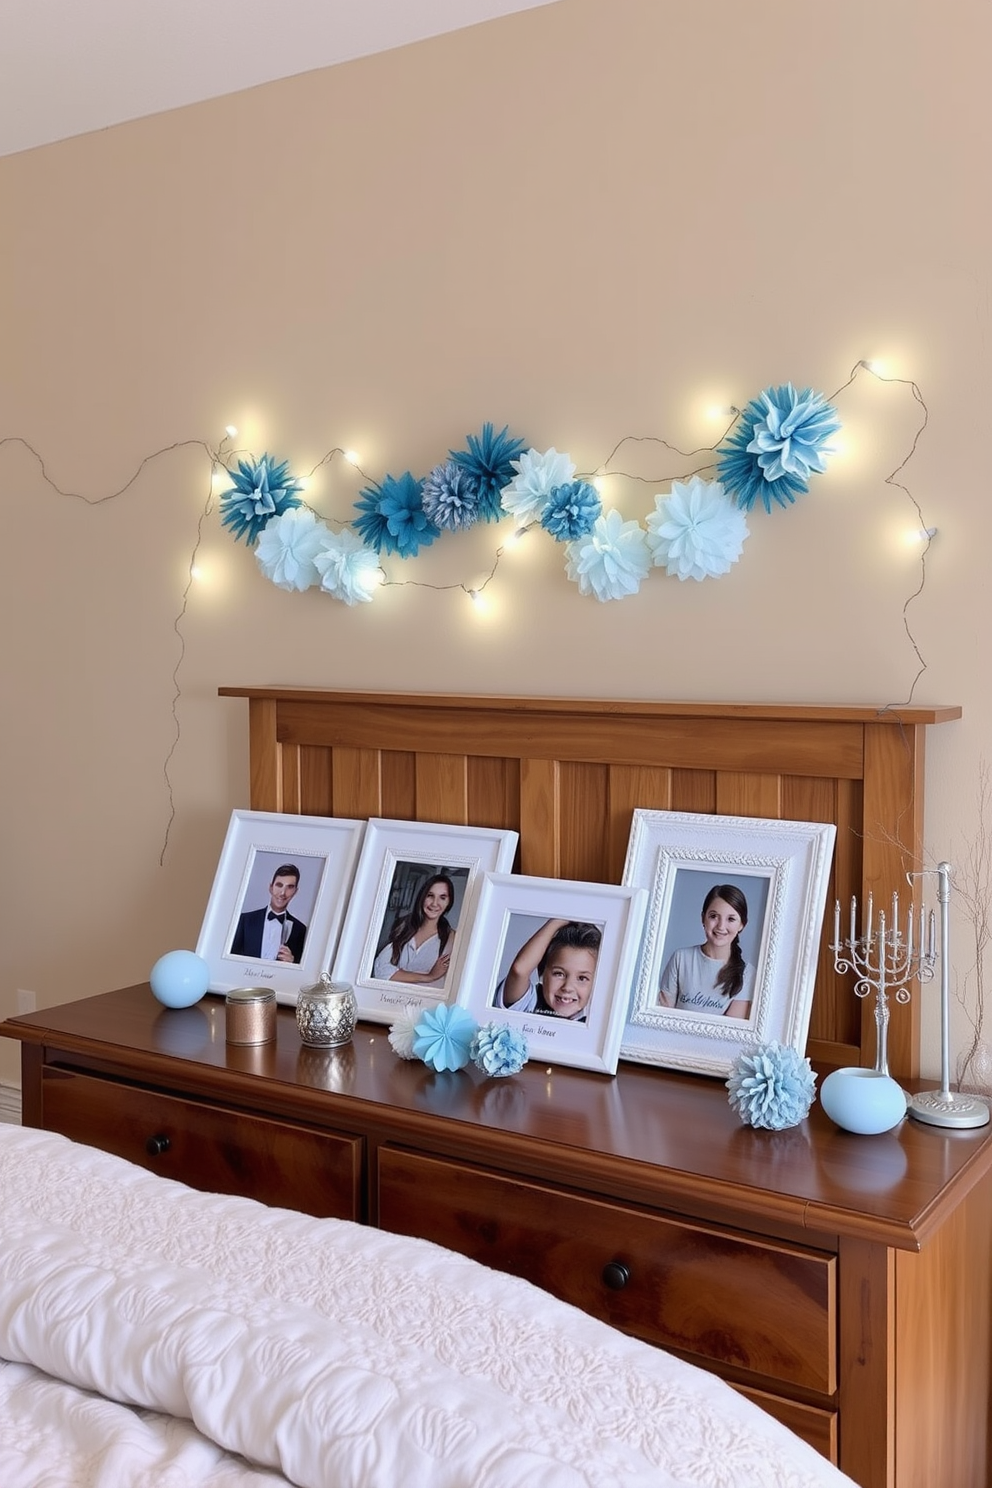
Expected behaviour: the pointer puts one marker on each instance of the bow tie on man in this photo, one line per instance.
(280, 917)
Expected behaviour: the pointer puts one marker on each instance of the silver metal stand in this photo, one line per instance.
(946, 1107)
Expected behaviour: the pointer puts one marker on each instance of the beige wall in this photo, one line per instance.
(590, 220)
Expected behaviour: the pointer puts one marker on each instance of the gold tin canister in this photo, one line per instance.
(251, 1015)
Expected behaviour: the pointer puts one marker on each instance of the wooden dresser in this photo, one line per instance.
(842, 1282)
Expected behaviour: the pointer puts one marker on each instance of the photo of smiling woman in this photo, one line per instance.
(421, 935)
(713, 977)
(553, 971)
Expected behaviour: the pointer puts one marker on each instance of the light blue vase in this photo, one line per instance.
(179, 978)
(863, 1100)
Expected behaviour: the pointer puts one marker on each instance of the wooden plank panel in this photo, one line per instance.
(693, 790)
(399, 785)
(316, 795)
(540, 817)
(356, 782)
(892, 847)
(631, 787)
(442, 788)
(493, 792)
(289, 767)
(915, 713)
(264, 755)
(588, 732)
(836, 1013)
(583, 827)
(741, 794)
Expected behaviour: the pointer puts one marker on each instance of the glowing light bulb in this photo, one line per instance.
(729, 410)
(231, 431)
(196, 572)
(872, 364)
(351, 457)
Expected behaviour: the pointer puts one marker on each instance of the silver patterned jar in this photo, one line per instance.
(326, 1013)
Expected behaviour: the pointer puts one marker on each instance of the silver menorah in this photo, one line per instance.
(885, 959)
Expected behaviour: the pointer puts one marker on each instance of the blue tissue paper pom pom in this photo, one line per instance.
(498, 1050)
(179, 978)
(773, 1087)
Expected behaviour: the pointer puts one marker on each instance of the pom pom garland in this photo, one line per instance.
(697, 531)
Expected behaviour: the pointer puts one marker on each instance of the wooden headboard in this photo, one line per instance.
(567, 774)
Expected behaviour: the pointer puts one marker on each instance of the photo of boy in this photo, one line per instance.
(553, 972)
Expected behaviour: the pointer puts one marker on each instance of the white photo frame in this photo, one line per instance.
(782, 869)
(398, 863)
(514, 911)
(324, 850)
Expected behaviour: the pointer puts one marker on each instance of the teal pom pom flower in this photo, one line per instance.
(780, 442)
(570, 511)
(392, 518)
(773, 1087)
(499, 1050)
(262, 489)
(443, 1037)
(488, 463)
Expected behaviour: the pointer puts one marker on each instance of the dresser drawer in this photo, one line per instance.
(208, 1147)
(765, 1307)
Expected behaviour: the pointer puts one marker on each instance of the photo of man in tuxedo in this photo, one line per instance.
(272, 933)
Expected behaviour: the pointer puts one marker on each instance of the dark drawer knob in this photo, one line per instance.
(616, 1275)
(155, 1146)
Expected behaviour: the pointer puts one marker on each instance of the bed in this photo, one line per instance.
(156, 1335)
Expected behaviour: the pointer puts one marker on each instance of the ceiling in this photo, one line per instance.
(71, 66)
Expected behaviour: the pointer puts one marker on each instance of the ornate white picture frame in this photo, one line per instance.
(687, 1012)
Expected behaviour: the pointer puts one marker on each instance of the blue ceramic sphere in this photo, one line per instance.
(179, 978)
(862, 1100)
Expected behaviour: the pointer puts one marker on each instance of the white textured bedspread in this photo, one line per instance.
(211, 1341)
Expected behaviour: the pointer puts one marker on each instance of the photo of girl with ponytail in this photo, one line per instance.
(713, 977)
